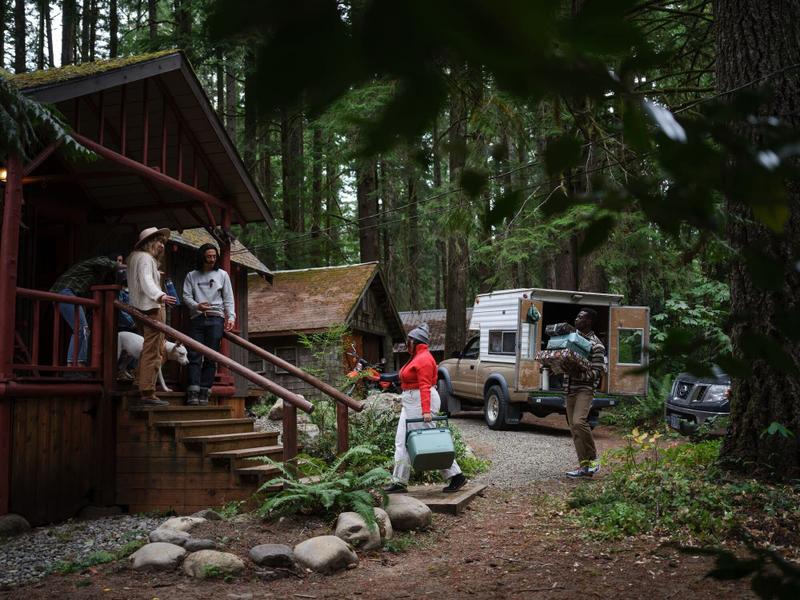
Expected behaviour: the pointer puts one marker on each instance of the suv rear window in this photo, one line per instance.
(502, 342)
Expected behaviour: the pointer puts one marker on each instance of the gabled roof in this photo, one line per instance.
(173, 89)
(194, 238)
(436, 318)
(307, 300)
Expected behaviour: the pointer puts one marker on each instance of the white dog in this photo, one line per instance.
(130, 344)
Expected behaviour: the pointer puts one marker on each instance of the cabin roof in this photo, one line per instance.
(101, 92)
(194, 238)
(306, 300)
(436, 318)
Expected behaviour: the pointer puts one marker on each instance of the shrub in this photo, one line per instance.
(644, 412)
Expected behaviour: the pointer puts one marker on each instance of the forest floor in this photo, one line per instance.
(512, 542)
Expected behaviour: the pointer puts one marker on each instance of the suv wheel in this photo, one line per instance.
(495, 408)
(450, 404)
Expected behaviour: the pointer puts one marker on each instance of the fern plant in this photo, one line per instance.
(312, 486)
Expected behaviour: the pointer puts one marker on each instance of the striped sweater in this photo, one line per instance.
(591, 379)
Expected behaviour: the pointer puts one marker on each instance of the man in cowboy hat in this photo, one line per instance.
(144, 282)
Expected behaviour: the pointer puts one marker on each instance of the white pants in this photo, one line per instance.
(412, 409)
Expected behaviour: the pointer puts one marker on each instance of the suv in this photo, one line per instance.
(694, 400)
(466, 382)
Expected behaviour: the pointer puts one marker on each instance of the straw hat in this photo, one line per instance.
(146, 234)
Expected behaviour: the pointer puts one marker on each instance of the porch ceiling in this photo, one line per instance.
(95, 100)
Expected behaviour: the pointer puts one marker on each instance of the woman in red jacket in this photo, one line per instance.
(420, 400)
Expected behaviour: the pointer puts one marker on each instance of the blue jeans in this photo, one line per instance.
(208, 331)
(68, 312)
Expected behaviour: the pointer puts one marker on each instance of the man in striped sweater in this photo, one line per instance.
(580, 393)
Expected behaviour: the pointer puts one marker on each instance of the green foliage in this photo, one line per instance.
(98, 558)
(644, 412)
(326, 349)
(676, 491)
(230, 509)
(401, 542)
(310, 486)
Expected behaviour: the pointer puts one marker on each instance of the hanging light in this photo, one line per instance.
(3, 173)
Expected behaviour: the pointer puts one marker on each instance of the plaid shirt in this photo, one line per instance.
(83, 275)
(597, 356)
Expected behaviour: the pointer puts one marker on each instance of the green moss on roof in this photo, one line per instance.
(69, 72)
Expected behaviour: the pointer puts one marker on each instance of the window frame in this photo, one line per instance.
(278, 370)
(503, 333)
(641, 347)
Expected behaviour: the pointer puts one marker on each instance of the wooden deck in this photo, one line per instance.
(438, 501)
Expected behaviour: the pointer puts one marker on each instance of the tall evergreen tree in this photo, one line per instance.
(19, 37)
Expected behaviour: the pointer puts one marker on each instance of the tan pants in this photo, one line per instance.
(579, 403)
(152, 354)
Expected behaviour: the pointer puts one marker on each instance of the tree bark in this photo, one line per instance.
(292, 169)
(413, 245)
(250, 113)
(113, 30)
(316, 190)
(183, 28)
(19, 36)
(41, 35)
(86, 19)
(220, 81)
(68, 18)
(2, 34)
(441, 260)
(152, 24)
(754, 40)
(331, 203)
(231, 99)
(367, 199)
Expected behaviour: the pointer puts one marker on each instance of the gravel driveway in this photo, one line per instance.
(536, 449)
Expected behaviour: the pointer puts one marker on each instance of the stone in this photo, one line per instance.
(212, 563)
(13, 524)
(353, 529)
(273, 555)
(407, 513)
(89, 513)
(182, 523)
(208, 514)
(159, 555)
(276, 412)
(196, 544)
(384, 524)
(325, 554)
(169, 535)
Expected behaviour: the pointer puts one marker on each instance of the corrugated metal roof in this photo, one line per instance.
(436, 319)
(313, 299)
(194, 238)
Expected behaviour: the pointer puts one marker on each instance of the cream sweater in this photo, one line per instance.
(144, 281)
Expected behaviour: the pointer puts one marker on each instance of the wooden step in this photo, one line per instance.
(260, 472)
(198, 427)
(230, 441)
(156, 414)
(241, 458)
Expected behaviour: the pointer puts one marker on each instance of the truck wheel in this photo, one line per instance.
(495, 408)
(450, 404)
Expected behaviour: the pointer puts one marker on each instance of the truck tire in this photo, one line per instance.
(495, 408)
(450, 404)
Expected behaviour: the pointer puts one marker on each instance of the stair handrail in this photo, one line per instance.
(325, 388)
(296, 400)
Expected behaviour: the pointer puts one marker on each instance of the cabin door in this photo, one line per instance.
(628, 340)
(529, 340)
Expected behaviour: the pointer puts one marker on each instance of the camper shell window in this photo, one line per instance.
(503, 342)
(630, 346)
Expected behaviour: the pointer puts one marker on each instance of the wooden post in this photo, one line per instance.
(9, 253)
(225, 264)
(342, 428)
(106, 416)
(289, 438)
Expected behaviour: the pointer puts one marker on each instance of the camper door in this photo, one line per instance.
(529, 339)
(628, 339)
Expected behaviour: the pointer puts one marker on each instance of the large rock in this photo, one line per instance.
(276, 412)
(182, 523)
(407, 513)
(353, 529)
(325, 554)
(273, 555)
(195, 544)
(159, 555)
(170, 536)
(208, 515)
(12, 524)
(211, 563)
(384, 524)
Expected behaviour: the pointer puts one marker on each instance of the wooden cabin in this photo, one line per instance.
(308, 301)
(436, 318)
(69, 435)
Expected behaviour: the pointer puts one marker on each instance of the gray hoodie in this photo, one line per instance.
(213, 287)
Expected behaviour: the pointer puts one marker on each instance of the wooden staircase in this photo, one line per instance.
(187, 458)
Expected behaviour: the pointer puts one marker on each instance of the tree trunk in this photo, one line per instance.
(231, 99)
(86, 20)
(113, 30)
(2, 34)
(367, 199)
(40, 35)
(250, 113)
(152, 24)
(316, 190)
(183, 28)
(441, 261)
(457, 245)
(754, 40)
(413, 245)
(68, 19)
(19, 36)
(220, 81)
(292, 168)
(331, 204)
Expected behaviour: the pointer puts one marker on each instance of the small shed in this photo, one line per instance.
(308, 301)
(436, 318)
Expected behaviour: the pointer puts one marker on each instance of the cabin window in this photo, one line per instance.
(502, 342)
(287, 353)
(256, 364)
(630, 346)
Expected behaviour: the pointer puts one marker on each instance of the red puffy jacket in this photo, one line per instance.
(420, 374)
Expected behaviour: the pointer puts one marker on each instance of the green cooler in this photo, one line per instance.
(430, 449)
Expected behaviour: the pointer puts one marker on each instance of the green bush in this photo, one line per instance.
(647, 412)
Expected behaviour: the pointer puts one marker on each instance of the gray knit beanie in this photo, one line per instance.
(420, 334)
